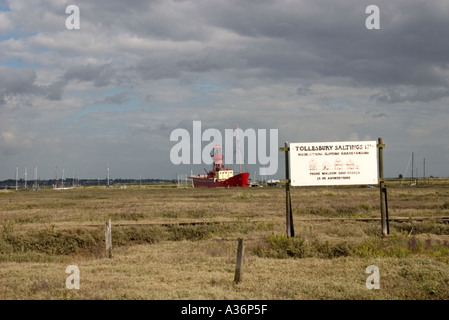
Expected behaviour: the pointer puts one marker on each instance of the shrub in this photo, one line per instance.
(281, 247)
(331, 250)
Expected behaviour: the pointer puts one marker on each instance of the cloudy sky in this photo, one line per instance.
(114, 90)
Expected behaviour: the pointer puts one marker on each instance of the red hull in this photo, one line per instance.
(240, 180)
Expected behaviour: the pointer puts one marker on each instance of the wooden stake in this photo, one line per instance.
(239, 262)
(108, 237)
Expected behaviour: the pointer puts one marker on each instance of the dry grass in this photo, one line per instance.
(41, 233)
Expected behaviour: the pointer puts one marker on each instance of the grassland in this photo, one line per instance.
(171, 243)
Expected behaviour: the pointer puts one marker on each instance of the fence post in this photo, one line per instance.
(108, 237)
(239, 262)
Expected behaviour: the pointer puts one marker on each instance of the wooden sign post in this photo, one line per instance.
(335, 163)
(383, 190)
(288, 200)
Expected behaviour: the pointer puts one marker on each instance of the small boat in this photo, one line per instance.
(219, 176)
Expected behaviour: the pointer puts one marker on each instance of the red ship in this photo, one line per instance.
(220, 176)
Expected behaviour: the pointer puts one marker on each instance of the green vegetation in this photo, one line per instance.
(173, 243)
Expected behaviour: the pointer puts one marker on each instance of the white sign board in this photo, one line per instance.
(333, 163)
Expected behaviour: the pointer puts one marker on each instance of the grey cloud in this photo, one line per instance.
(304, 90)
(330, 39)
(10, 150)
(278, 39)
(148, 98)
(417, 94)
(158, 19)
(101, 75)
(17, 81)
(118, 98)
(210, 59)
(174, 65)
(252, 47)
(55, 90)
(293, 39)
(153, 69)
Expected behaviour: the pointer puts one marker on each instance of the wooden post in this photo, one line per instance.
(386, 211)
(239, 262)
(383, 190)
(108, 237)
(288, 200)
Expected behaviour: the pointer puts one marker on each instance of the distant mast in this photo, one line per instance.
(62, 179)
(17, 178)
(424, 167)
(108, 176)
(56, 177)
(36, 186)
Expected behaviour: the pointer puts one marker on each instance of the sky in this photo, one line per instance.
(113, 91)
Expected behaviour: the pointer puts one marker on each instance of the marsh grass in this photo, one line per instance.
(158, 258)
